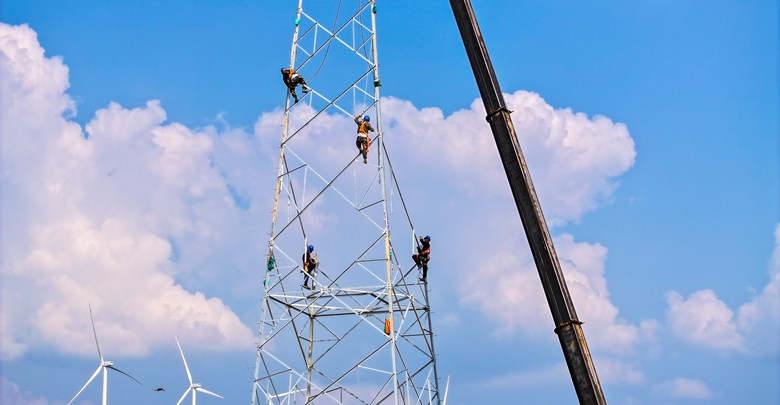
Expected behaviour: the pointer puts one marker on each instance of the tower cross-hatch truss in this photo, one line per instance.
(360, 330)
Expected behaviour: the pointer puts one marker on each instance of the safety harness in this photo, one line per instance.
(362, 130)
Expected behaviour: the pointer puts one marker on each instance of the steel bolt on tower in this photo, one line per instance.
(364, 334)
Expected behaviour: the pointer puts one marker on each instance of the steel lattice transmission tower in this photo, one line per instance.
(363, 335)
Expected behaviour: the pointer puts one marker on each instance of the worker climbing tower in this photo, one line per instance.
(360, 330)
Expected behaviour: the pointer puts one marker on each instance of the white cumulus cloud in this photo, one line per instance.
(683, 388)
(613, 371)
(704, 319)
(509, 291)
(759, 319)
(573, 159)
(11, 394)
(111, 216)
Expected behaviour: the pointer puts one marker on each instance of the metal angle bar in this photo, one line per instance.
(313, 27)
(289, 273)
(330, 103)
(288, 393)
(339, 341)
(363, 318)
(326, 306)
(410, 377)
(371, 246)
(363, 44)
(334, 35)
(403, 316)
(365, 93)
(289, 322)
(270, 381)
(377, 350)
(328, 186)
(370, 185)
(291, 195)
(374, 400)
(323, 109)
(272, 375)
(359, 263)
(330, 331)
(375, 369)
(340, 387)
(303, 188)
(301, 377)
(397, 187)
(374, 291)
(410, 380)
(363, 25)
(369, 260)
(289, 192)
(423, 331)
(278, 396)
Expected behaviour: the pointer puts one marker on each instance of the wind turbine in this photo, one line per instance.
(104, 365)
(194, 387)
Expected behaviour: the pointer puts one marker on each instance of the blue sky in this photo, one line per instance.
(683, 220)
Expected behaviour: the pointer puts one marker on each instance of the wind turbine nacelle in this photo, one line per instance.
(195, 385)
(108, 363)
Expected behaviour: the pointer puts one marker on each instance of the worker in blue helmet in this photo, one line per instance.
(310, 264)
(363, 139)
(423, 256)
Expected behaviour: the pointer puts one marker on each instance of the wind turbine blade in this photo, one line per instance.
(94, 332)
(88, 381)
(185, 360)
(446, 390)
(203, 390)
(116, 369)
(184, 396)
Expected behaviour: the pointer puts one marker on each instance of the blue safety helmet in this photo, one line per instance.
(311, 247)
(427, 237)
(366, 118)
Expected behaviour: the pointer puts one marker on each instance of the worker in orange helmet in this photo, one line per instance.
(363, 139)
(292, 79)
(423, 256)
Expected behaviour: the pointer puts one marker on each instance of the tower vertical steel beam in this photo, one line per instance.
(568, 327)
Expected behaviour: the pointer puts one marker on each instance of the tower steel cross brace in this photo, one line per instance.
(568, 327)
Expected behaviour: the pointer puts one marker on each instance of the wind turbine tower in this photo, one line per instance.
(362, 334)
(105, 365)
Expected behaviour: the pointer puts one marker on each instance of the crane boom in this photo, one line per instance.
(567, 326)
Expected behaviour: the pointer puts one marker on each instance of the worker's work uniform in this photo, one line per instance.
(423, 256)
(309, 269)
(363, 140)
(292, 79)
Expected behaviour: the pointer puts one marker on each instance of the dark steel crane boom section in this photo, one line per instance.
(568, 327)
